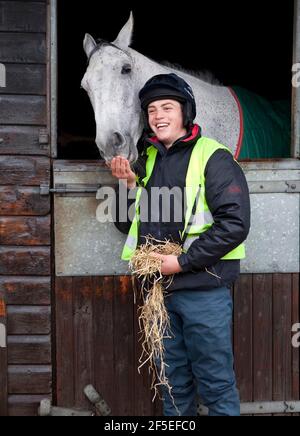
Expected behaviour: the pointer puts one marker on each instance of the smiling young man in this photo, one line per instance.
(215, 220)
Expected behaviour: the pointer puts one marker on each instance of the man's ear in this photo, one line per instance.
(124, 38)
(89, 44)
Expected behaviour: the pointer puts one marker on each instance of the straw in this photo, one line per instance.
(154, 320)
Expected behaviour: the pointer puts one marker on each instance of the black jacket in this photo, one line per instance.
(227, 196)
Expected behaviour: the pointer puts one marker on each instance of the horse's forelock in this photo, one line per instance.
(102, 43)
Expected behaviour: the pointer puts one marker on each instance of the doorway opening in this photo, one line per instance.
(249, 46)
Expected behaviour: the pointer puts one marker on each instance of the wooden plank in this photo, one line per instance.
(24, 48)
(295, 351)
(83, 336)
(124, 347)
(25, 405)
(25, 79)
(21, 290)
(29, 379)
(104, 338)
(25, 261)
(25, 171)
(26, 350)
(23, 201)
(262, 337)
(25, 231)
(28, 320)
(282, 348)
(65, 379)
(23, 109)
(3, 355)
(20, 16)
(21, 140)
(243, 343)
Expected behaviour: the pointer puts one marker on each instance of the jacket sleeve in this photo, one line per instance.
(227, 196)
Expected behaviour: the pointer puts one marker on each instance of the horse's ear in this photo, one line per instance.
(124, 38)
(89, 44)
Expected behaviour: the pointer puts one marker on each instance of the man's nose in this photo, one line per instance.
(159, 115)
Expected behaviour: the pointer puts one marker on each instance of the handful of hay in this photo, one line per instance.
(153, 317)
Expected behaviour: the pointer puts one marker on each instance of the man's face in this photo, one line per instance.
(166, 121)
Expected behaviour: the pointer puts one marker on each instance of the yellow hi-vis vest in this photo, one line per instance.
(202, 219)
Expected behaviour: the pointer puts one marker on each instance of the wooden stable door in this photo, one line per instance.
(97, 334)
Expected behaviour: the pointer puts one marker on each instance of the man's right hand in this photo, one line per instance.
(120, 168)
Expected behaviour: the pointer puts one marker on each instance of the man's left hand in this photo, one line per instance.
(169, 264)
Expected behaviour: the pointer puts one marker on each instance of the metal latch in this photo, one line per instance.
(75, 188)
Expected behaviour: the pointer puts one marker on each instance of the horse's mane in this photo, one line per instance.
(205, 75)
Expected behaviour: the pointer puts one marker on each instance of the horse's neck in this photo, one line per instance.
(217, 111)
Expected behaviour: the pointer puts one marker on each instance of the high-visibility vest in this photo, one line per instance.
(195, 223)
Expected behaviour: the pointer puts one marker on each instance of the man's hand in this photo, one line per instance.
(169, 264)
(120, 168)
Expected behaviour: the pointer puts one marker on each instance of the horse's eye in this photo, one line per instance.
(126, 69)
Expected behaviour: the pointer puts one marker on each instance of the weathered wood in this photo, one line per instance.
(25, 405)
(25, 261)
(31, 379)
(25, 231)
(243, 343)
(20, 16)
(21, 290)
(25, 171)
(25, 79)
(104, 310)
(21, 140)
(83, 335)
(282, 349)
(23, 109)
(3, 354)
(262, 337)
(65, 389)
(28, 350)
(28, 320)
(124, 346)
(25, 48)
(26, 201)
(104, 347)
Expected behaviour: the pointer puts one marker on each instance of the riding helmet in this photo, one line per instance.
(171, 86)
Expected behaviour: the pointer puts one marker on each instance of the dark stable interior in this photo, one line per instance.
(247, 44)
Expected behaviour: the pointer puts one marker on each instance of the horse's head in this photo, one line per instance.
(111, 84)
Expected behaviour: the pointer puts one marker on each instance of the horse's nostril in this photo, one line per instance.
(119, 140)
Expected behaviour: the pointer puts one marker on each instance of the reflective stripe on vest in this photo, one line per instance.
(195, 224)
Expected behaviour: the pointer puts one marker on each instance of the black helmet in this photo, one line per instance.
(169, 86)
